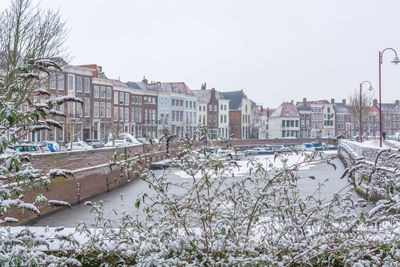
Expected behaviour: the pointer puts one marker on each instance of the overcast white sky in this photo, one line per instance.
(275, 50)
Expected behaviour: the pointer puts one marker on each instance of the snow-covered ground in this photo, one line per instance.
(268, 161)
(322, 173)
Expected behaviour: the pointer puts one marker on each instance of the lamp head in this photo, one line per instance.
(370, 88)
(396, 60)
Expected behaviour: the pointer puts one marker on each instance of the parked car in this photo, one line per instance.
(397, 136)
(143, 140)
(31, 148)
(78, 145)
(52, 146)
(117, 143)
(94, 143)
(130, 139)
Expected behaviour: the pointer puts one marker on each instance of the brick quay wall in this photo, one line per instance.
(94, 176)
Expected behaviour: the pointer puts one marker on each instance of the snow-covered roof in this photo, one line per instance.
(285, 110)
(341, 108)
(176, 87)
(203, 96)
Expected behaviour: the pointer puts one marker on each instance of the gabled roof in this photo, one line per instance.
(286, 109)
(203, 96)
(139, 86)
(314, 102)
(119, 83)
(176, 87)
(302, 107)
(235, 98)
(341, 108)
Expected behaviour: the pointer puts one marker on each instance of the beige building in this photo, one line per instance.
(328, 120)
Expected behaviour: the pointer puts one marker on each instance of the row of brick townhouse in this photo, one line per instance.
(144, 109)
(327, 119)
(111, 107)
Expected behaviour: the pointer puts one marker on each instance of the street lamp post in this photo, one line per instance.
(370, 88)
(395, 61)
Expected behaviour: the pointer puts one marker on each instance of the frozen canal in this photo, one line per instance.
(112, 200)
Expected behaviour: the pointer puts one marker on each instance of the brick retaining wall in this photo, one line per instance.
(94, 176)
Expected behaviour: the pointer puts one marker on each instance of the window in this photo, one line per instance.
(121, 114)
(121, 98)
(96, 91)
(71, 108)
(78, 131)
(115, 113)
(86, 85)
(283, 123)
(297, 123)
(60, 82)
(108, 110)
(187, 104)
(71, 86)
(173, 115)
(52, 82)
(108, 92)
(78, 84)
(181, 113)
(116, 98)
(127, 99)
(126, 114)
(96, 109)
(102, 110)
(79, 109)
(102, 92)
(194, 104)
(199, 108)
(87, 107)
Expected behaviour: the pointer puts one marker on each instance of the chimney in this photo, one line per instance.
(304, 101)
(344, 101)
(291, 101)
(332, 101)
(100, 68)
(375, 102)
(397, 102)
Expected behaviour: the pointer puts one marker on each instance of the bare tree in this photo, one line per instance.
(29, 32)
(357, 110)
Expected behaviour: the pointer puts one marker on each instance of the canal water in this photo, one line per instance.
(322, 172)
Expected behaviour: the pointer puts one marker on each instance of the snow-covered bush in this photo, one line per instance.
(18, 115)
(219, 218)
